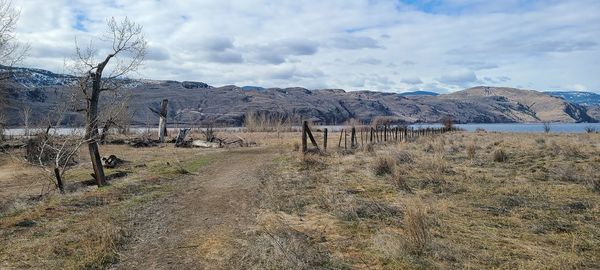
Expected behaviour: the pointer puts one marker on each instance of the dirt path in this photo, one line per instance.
(199, 226)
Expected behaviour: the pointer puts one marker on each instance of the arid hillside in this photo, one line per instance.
(195, 102)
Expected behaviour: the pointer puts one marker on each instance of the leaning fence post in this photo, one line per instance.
(340, 142)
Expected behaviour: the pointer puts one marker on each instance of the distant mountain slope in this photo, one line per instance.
(582, 98)
(418, 93)
(197, 102)
(31, 77)
(527, 105)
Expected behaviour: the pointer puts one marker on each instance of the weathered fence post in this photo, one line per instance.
(325, 139)
(345, 140)
(162, 124)
(340, 142)
(306, 132)
(371, 140)
(385, 133)
(362, 142)
(353, 138)
(304, 136)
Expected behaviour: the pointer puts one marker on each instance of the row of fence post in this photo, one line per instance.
(369, 135)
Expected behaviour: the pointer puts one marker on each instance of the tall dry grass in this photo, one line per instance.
(416, 227)
(268, 122)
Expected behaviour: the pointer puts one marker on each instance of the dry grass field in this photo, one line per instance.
(459, 200)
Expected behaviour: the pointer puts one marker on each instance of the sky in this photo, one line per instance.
(381, 45)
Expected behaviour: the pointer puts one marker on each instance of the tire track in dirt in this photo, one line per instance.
(199, 225)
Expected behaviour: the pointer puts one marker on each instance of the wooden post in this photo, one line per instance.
(304, 135)
(362, 142)
(162, 124)
(59, 181)
(341, 134)
(371, 140)
(345, 140)
(353, 138)
(311, 137)
(385, 133)
(325, 139)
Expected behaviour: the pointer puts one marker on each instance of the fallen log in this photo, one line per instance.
(205, 144)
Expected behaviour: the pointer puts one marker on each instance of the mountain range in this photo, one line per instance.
(197, 102)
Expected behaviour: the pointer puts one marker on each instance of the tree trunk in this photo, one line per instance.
(162, 124)
(91, 131)
(59, 182)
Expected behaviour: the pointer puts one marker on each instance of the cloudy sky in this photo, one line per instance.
(386, 45)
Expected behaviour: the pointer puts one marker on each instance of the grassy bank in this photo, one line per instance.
(461, 200)
(86, 228)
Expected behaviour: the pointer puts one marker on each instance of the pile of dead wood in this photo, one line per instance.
(142, 142)
(211, 140)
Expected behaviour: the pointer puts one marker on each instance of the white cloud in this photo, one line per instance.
(362, 45)
(412, 80)
(460, 78)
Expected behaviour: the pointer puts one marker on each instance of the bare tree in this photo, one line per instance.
(25, 113)
(127, 47)
(117, 115)
(50, 151)
(11, 51)
(2, 126)
(547, 126)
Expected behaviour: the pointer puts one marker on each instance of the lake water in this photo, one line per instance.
(508, 127)
(524, 128)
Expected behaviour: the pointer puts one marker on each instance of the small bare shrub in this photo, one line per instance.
(595, 184)
(471, 151)
(448, 122)
(565, 172)
(547, 127)
(363, 209)
(416, 227)
(281, 247)
(399, 181)
(554, 148)
(384, 165)
(572, 151)
(590, 129)
(403, 157)
(540, 140)
(370, 148)
(313, 162)
(500, 156)
(429, 148)
(436, 182)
